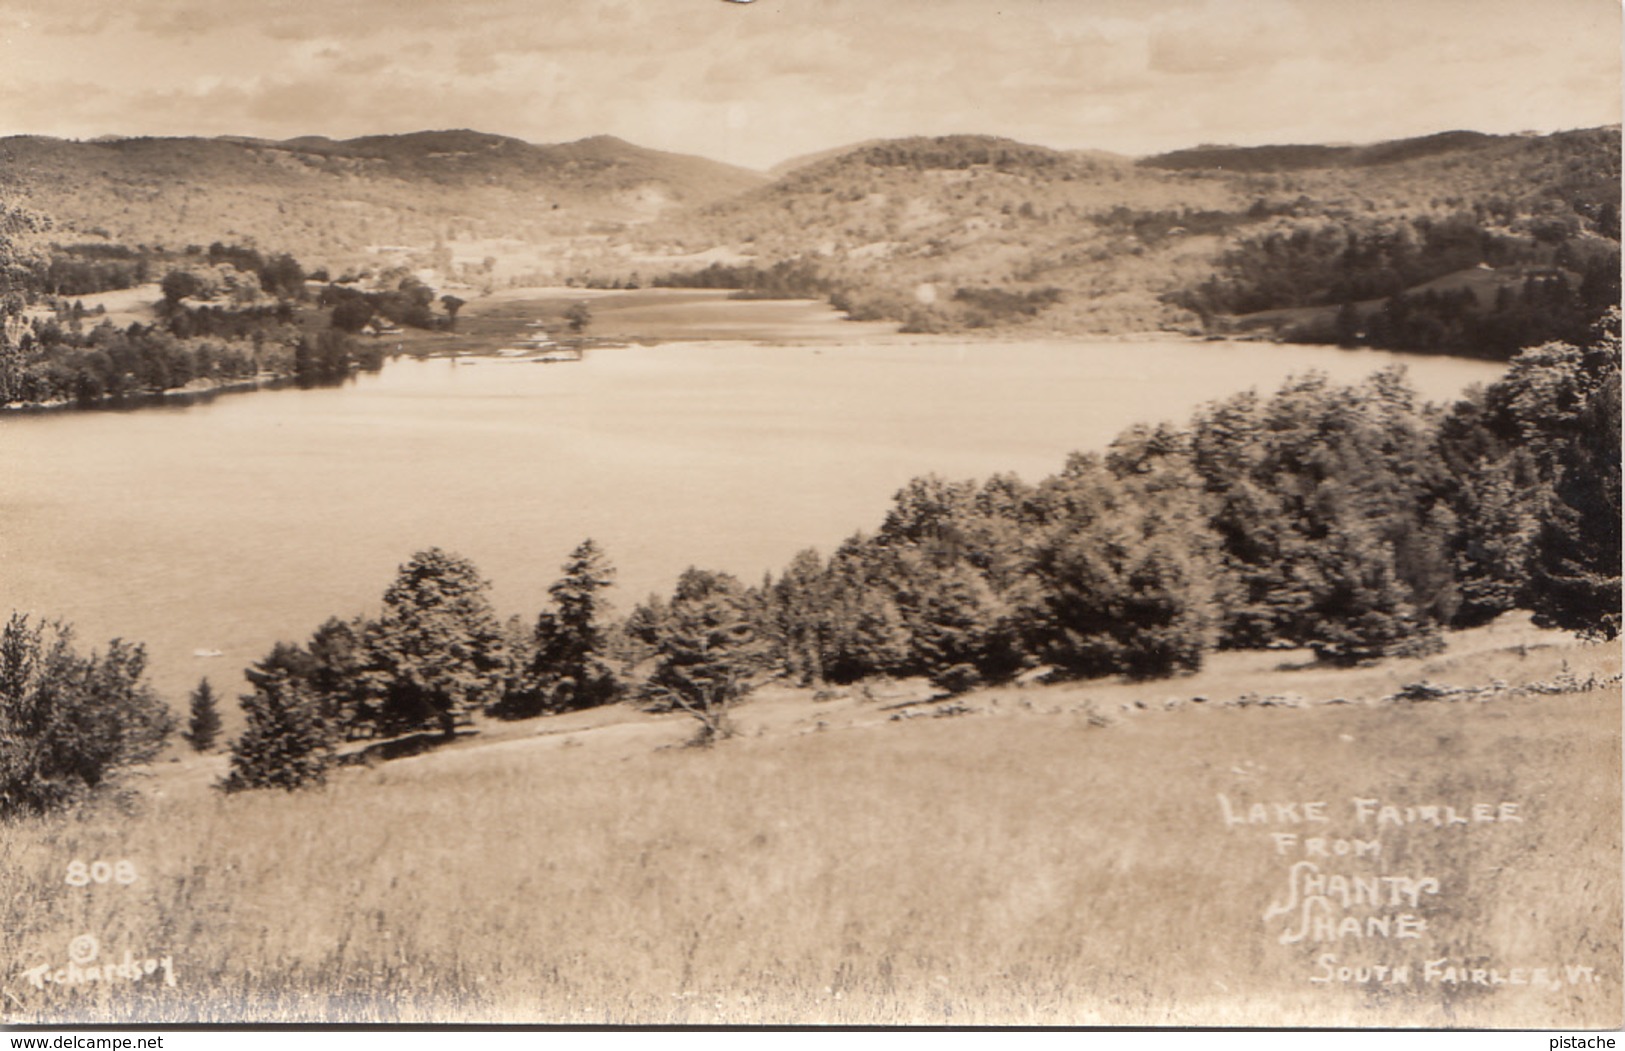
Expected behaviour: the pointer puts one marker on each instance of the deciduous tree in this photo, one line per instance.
(68, 722)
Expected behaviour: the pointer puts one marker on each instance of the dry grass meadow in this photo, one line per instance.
(1048, 855)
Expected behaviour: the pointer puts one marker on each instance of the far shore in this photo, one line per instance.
(198, 390)
(646, 317)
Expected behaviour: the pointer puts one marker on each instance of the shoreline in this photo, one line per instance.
(203, 391)
(192, 393)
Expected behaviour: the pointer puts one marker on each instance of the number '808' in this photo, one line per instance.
(81, 874)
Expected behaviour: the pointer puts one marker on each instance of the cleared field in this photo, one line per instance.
(123, 306)
(666, 314)
(1038, 855)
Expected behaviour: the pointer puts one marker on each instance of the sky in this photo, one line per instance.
(759, 82)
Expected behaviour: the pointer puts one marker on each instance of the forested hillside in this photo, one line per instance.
(965, 231)
(904, 224)
(1458, 242)
(324, 200)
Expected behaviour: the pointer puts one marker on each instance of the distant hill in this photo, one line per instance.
(785, 167)
(322, 198)
(947, 212)
(941, 233)
(1297, 158)
(876, 150)
(972, 230)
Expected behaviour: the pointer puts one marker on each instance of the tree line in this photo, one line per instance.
(406, 301)
(229, 314)
(50, 364)
(798, 278)
(1569, 276)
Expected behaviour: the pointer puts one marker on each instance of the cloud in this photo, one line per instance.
(1226, 36)
(90, 24)
(186, 20)
(755, 83)
(359, 63)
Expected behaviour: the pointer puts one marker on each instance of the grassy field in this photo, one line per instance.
(665, 314)
(1036, 855)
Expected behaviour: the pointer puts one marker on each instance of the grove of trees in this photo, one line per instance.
(252, 332)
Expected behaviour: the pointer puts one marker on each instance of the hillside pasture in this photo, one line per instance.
(663, 315)
(124, 306)
(874, 855)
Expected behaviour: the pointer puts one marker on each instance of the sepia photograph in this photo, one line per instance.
(872, 514)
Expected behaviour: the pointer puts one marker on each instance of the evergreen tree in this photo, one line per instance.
(962, 632)
(1362, 609)
(337, 659)
(1319, 469)
(800, 609)
(567, 669)
(709, 653)
(1498, 517)
(286, 744)
(872, 638)
(438, 652)
(204, 724)
(1126, 571)
(1534, 469)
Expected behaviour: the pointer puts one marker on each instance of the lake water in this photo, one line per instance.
(231, 524)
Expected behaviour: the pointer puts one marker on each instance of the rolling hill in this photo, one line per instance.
(323, 199)
(942, 233)
(1295, 158)
(930, 231)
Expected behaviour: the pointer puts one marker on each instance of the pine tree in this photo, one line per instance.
(709, 653)
(1363, 610)
(1126, 571)
(799, 611)
(567, 669)
(204, 725)
(287, 743)
(438, 652)
(963, 633)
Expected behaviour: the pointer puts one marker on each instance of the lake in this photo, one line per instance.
(230, 524)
